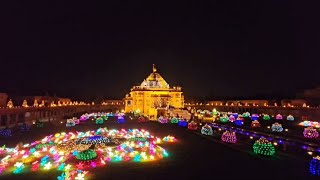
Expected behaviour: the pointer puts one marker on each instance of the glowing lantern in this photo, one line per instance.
(255, 124)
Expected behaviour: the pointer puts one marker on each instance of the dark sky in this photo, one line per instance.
(211, 48)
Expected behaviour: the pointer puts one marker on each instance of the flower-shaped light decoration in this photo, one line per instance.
(310, 133)
(290, 118)
(121, 119)
(314, 166)
(99, 120)
(254, 117)
(174, 120)
(182, 123)
(266, 117)
(207, 130)
(246, 115)
(276, 127)
(229, 137)
(279, 117)
(239, 122)
(263, 147)
(255, 124)
(232, 118)
(163, 120)
(193, 125)
(224, 119)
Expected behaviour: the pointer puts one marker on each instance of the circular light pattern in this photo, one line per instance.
(72, 152)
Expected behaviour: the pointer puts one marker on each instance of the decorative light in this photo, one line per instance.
(276, 127)
(174, 120)
(224, 119)
(232, 118)
(183, 123)
(310, 132)
(255, 124)
(229, 137)
(163, 120)
(279, 117)
(192, 125)
(254, 117)
(266, 117)
(314, 166)
(263, 147)
(207, 130)
(290, 118)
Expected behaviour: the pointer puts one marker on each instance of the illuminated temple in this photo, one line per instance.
(154, 97)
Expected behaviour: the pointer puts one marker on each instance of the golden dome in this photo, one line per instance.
(155, 80)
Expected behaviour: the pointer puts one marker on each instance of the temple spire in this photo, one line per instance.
(154, 68)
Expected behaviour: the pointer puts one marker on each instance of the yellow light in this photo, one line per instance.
(251, 137)
(67, 167)
(268, 127)
(310, 153)
(47, 166)
(286, 130)
(275, 143)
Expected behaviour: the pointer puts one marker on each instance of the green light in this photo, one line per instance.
(86, 155)
(263, 147)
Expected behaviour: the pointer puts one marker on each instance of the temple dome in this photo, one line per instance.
(155, 80)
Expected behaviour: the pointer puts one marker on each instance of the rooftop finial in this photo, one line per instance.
(154, 68)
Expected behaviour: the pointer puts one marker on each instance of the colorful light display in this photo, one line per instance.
(70, 123)
(254, 117)
(279, 117)
(290, 118)
(310, 124)
(224, 119)
(232, 118)
(174, 120)
(207, 130)
(193, 125)
(314, 166)
(121, 120)
(263, 147)
(310, 133)
(183, 123)
(99, 120)
(246, 115)
(276, 127)
(238, 122)
(255, 124)
(229, 137)
(64, 152)
(163, 120)
(266, 117)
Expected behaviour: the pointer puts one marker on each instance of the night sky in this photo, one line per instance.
(85, 50)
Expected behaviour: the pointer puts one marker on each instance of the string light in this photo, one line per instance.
(192, 125)
(229, 137)
(263, 147)
(310, 132)
(207, 130)
(276, 127)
